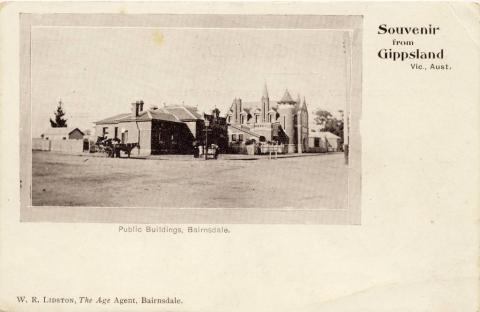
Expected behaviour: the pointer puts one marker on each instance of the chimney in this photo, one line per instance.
(137, 107)
(134, 109)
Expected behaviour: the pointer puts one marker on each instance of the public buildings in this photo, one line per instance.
(283, 121)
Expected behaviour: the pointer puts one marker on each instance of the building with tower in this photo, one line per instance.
(283, 121)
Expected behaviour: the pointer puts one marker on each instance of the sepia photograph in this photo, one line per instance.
(253, 114)
(214, 156)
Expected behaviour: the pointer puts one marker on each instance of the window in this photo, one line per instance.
(125, 136)
(242, 119)
(256, 118)
(234, 137)
(116, 132)
(104, 131)
(240, 137)
(317, 142)
(269, 118)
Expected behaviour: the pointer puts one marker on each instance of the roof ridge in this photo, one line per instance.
(189, 112)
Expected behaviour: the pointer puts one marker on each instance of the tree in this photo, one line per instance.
(322, 116)
(60, 121)
(329, 123)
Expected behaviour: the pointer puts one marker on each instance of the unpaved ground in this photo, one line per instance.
(306, 182)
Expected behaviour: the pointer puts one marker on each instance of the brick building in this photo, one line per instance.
(165, 130)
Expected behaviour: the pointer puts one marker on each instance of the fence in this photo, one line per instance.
(62, 146)
(40, 145)
(271, 148)
(237, 149)
(256, 149)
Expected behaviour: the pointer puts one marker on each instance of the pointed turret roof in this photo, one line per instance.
(286, 98)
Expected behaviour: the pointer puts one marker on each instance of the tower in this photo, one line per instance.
(298, 123)
(265, 104)
(286, 110)
(236, 110)
(304, 125)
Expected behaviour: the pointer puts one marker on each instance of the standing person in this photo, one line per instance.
(215, 150)
(195, 149)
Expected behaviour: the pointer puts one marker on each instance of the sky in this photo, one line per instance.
(98, 71)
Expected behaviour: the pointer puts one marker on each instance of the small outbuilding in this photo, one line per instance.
(63, 133)
(321, 142)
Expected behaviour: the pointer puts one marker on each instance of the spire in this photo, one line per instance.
(298, 101)
(304, 105)
(265, 91)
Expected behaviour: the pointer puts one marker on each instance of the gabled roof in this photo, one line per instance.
(168, 113)
(183, 113)
(161, 115)
(142, 116)
(194, 112)
(252, 106)
(323, 134)
(61, 131)
(113, 119)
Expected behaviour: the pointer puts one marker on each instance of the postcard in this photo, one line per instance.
(239, 156)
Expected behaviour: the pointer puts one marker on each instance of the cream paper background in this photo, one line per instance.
(415, 250)
(33, 79)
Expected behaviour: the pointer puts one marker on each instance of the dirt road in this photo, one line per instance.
(306, 182)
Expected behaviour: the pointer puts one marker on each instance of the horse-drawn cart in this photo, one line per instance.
(113, 147)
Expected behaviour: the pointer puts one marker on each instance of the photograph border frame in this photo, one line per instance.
(351, 215)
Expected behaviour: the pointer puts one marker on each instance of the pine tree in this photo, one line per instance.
(59, 122)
